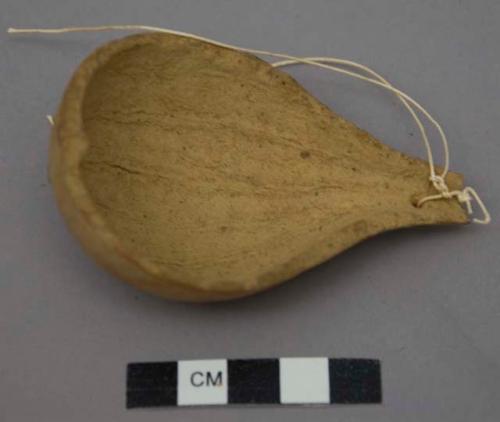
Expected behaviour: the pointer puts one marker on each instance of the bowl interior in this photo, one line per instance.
(188, 166)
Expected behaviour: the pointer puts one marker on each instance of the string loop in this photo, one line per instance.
(465, 196)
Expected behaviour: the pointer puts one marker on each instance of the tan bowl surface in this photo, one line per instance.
(200, 173)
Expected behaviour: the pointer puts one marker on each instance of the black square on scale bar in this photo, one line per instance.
(355, 381)
(151, 384)
(253, 381)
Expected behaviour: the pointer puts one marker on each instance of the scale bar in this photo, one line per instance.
(284, 381)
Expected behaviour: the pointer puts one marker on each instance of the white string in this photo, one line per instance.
(466, 196)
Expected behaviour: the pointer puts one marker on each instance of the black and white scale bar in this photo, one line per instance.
(253, 381)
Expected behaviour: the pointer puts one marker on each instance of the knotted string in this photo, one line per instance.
(465, 196)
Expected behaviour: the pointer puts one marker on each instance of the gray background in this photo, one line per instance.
(424, 301)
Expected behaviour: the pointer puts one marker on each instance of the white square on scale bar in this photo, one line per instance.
(304, 380)
(202, 382)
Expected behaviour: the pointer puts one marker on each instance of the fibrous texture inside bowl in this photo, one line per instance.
(220, 170)
(181, 160)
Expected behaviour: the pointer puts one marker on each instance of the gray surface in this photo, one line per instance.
(426, 301)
